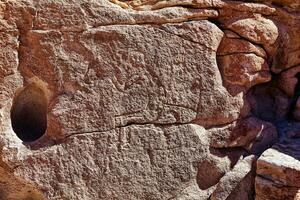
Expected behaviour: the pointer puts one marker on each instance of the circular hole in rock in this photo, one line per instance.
(29, 113)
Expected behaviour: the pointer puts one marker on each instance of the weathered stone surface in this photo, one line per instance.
(233, 179)
(281, 163)
(245, 133)
(288, 80)
(216, 164)
(245, 188)
(145, 99)
(134, 87)
(242, 62)
(147, 85)
(293, 4)
(278, 171)
(13, 188)
(244, 70)
(237, 6)
(287, 54)
(8, 64)
(193, 192)
(234, 44)
(269, 190)
(258, 30)
(264, 140)
(135, 162)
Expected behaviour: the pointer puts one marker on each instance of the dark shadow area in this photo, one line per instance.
(29, 114)
(269, 103)
(266, 101)
(290, 115)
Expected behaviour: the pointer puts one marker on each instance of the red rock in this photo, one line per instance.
(147, 99)
(278, 171)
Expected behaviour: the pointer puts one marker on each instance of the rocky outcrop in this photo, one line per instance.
(148, 99)
(237, 183)
(278, 172)
(252, 134)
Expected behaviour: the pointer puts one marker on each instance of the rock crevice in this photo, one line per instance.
(151, 99)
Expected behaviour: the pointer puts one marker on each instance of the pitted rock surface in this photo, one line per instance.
(149, 99)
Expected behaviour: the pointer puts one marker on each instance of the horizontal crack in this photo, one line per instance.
(251, 41)
(240, 52)
(223, 125)
(70, 134)
(291, 67)
(81, 30)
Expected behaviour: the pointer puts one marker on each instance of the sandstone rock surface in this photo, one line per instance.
(278, 171)
(148, 99)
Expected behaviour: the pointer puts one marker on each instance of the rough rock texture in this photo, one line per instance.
(278, 171)
(149, 99)
(234, 180)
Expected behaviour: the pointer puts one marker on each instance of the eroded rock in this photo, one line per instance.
(233, 180)
(278, 171)
(251, 133)
(258, 30)
(244, 70)
(288, 80)
(135, 162)
(150, 99)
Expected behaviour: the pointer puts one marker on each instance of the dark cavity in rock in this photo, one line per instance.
(29, 113)
(290, 114)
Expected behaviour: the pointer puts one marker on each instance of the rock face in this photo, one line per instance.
(149, 99)
(278, 171)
